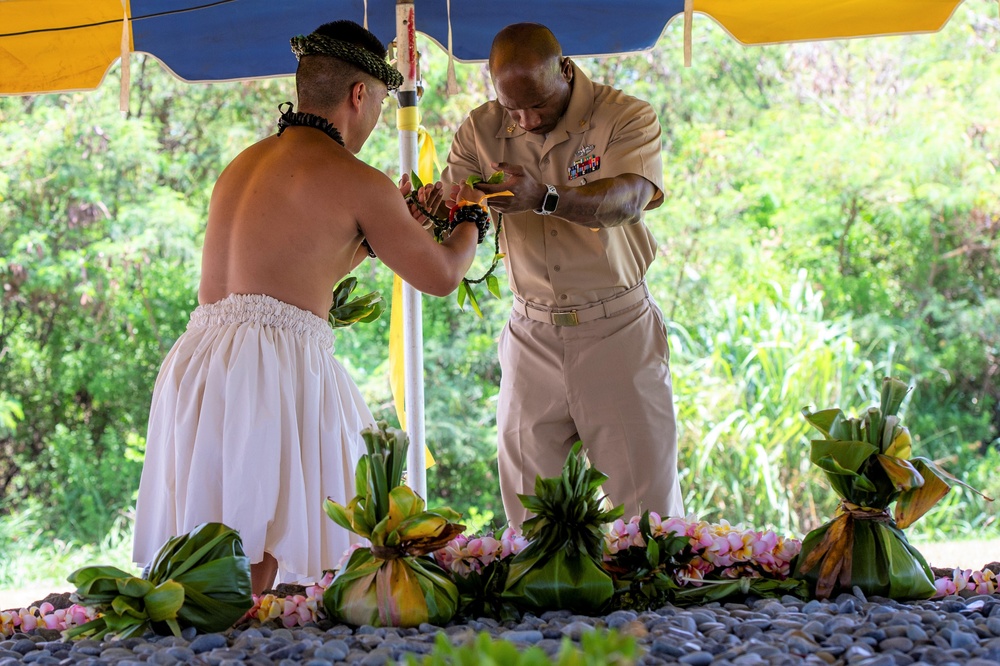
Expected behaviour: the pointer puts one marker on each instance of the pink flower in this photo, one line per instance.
(28, 619)
(983, 582)
(297, 610)
(511, 542)
(673, 527)
(944, 587)
(621, 536)
(484, 550)
(961, 578)
(316, 590)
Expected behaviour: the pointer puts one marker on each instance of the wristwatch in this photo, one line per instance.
(550, 202)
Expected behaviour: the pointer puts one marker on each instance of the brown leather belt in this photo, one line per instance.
(606, 308)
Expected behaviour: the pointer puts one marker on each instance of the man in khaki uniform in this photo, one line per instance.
(584, 354)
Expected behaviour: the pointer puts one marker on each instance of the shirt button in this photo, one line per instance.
(553, 233)
(562, 297)
(583, 181)
(557, 268)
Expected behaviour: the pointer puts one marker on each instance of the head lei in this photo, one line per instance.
(318, 44)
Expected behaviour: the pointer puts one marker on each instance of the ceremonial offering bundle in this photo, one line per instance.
(868, 463)
(393, 582)
(561, 568)
(200, 579)
(344, 312)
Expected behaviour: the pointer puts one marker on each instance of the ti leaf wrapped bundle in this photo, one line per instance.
(200, 579)
(344, 312)
(868, 462)
(562, 566)
(393, 582)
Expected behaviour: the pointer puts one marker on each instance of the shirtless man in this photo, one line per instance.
(253, 421)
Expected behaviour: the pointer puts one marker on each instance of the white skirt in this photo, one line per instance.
(253, 424)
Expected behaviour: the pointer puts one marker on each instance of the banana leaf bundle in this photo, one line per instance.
(868, 463)
(344, 312)
(562, 566)
(200, 579)
(393, 582)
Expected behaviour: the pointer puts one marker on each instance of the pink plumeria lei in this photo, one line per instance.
(978, 582)
(293, 610)
(45, 616)
(719, 549)
(463, 555)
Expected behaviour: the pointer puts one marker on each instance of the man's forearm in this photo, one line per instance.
(607, 202)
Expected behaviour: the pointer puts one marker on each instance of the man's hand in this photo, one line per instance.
(528, 192)
(430, 198)
(464, 192)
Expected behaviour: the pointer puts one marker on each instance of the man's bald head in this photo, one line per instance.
(532, 79)
(525, 46)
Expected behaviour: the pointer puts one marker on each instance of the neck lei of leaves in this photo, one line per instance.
(440, 226)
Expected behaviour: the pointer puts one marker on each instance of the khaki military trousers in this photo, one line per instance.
(606, 383)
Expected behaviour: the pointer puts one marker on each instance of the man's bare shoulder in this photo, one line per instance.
(311, 162)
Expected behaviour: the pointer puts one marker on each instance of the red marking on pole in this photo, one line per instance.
(411, 38)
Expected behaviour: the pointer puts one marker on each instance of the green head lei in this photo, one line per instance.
(317, 44)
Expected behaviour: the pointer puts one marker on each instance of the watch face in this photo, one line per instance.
(550, 202)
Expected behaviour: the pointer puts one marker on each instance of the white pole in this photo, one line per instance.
(413, 343)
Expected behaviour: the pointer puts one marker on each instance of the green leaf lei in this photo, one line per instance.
(442, 225)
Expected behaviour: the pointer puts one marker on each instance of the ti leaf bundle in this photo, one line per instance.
(867, 461)
(200, 579)
(345, 312)
(393, 582)
(562, 566)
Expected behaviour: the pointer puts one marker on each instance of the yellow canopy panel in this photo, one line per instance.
(771, 21)
(36, 56)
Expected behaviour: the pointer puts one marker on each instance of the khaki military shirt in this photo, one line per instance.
(604, 133)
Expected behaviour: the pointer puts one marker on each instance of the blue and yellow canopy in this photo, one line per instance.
(51, 45)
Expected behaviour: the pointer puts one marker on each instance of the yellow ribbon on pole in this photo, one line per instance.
(426, 168)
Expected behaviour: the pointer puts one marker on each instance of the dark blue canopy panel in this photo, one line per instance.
(239, 39)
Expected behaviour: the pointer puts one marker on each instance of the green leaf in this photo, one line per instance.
(415, 180)
(893, 393)
(474, 302)
(338, 514)
(840, 457)
(493, 284)
(165, 601)
(822, 420)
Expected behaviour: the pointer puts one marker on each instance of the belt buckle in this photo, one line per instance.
(565, 318)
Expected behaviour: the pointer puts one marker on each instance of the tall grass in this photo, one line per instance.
(31, 558)
(740, 384)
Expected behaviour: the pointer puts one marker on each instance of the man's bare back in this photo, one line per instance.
(286, 220)
(282, 222)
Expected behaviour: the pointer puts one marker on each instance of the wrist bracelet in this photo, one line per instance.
(472, 213)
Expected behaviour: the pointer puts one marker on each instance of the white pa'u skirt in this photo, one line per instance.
(253, 424)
